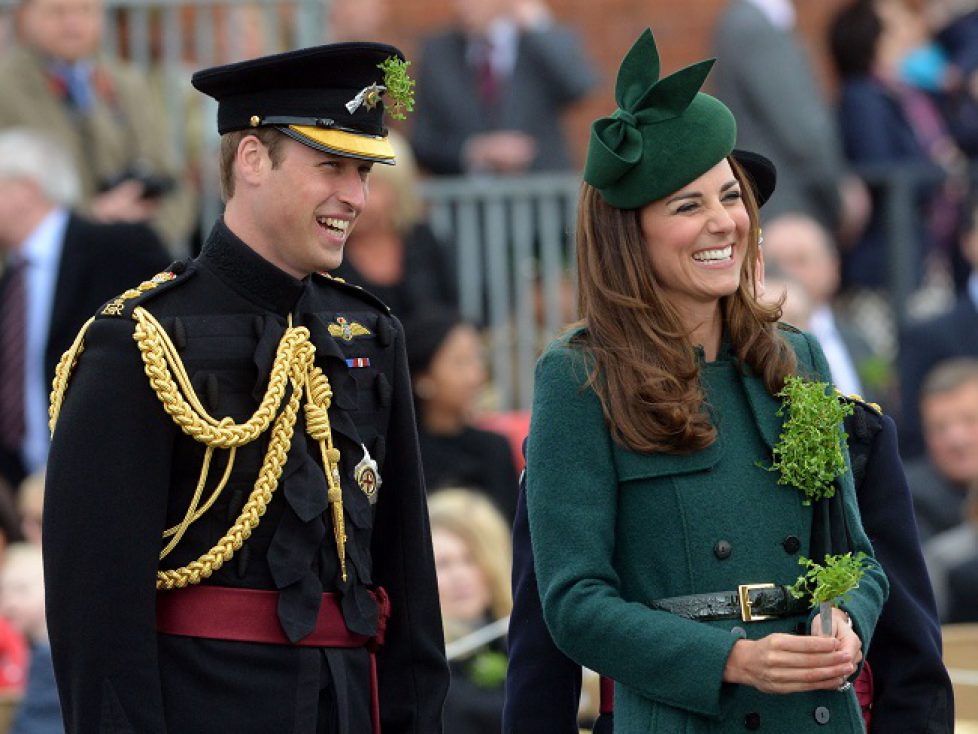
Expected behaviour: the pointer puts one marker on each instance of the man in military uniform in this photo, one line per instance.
(240, 429)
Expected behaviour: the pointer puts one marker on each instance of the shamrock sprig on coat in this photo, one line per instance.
(809, 453)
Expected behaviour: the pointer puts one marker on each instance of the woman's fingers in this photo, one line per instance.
(789, 663)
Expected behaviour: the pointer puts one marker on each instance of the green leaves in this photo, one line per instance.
(831, 582)
(488, 668)
(400, 86)
(809, 453)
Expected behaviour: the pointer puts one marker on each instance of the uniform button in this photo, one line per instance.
(752, 721)
(791, 544)
(722, 549)
(739, 632)
(822, 715)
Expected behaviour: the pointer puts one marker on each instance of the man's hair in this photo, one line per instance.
(268, 136)
(949, 375)
(25, 154)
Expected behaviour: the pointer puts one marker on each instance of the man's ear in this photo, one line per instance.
(251, 161)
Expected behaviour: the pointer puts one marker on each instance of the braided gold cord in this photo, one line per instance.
(62, 374)
(317, 426)
(294, 365)
(265, 484)
(159, 355)
(195, 516)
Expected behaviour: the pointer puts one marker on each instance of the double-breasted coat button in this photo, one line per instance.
(722, 549)
(752, 721)
(791, 544)
(822, 715)
(739, 632)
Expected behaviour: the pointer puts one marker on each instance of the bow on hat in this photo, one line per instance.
(617, 142)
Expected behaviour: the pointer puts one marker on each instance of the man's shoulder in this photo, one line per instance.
(741, 17)
(108, 238)
(16, 60)
(164, 282)
(443, 40)
(926, 482)
(349, 292)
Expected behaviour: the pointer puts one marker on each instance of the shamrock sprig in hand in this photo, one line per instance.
(829, 584)
(808, 453)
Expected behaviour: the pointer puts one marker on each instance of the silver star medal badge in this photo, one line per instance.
(368, 476)
(368, 97)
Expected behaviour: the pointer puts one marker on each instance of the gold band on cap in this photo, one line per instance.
(362, 146)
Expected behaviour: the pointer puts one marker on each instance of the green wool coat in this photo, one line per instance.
(613, 529)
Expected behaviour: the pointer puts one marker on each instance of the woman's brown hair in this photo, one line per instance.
(644, 368)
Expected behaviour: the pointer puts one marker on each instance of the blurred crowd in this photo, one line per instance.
(93, 200)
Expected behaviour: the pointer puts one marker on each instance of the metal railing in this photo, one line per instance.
(513, 239)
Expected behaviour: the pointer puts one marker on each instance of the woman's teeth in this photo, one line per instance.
(722, 253)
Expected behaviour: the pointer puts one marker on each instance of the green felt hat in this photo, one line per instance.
(664, 134)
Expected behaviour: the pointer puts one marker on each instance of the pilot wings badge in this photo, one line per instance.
(348, 330)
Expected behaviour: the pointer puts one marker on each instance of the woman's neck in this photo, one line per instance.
(442, 421)
(705, 328)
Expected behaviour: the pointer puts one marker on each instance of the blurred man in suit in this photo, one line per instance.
(939, 480)
(59, 268)
(782, 113)
(103, 113)
(925, 343)
(491, 90)
(803, 249)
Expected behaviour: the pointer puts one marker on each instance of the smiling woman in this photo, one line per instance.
(658, 537)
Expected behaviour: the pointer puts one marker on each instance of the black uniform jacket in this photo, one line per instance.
(912, 693)
(121, 472)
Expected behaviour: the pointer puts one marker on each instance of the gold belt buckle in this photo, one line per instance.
(743, 592)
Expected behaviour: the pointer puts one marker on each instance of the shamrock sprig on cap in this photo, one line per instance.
(400, 86)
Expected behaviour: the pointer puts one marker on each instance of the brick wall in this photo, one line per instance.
(608, 28)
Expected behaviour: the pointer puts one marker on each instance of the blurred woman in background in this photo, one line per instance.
(392, 251)
(473, 559)
(448, 371)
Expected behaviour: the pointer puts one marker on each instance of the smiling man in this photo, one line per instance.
(236, 536)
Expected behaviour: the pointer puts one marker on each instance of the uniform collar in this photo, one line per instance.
(248, 273)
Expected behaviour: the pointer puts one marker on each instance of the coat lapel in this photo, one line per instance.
(764, 407)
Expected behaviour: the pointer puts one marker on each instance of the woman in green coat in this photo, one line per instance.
(653, 512)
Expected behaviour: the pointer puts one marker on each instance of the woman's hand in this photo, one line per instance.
(782, 663)
(843, 632)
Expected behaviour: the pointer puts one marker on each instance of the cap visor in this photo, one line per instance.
(343, 143)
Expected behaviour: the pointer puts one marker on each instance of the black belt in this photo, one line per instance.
(749, 603)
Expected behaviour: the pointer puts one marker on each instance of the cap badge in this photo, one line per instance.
(348, 330)
(368, 97)
(368, 476)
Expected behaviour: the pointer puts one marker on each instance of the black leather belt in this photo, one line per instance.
(749, 603)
